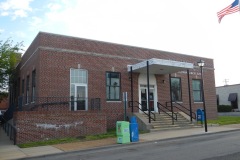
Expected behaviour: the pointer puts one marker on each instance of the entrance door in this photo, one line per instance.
(80, 97)
(144, 94)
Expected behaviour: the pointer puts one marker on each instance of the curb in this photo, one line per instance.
(114, 146)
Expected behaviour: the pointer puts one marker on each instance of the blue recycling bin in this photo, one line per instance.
(134, 135)
(200, 115)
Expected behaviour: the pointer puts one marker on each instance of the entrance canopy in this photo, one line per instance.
(160, 66)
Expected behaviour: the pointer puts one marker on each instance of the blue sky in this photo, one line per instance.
(187, 26)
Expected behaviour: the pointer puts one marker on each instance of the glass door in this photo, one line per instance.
(80, 97)
(144, 94)
(144, 99)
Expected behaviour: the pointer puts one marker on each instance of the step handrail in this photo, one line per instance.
(180, 108)
(160, 109)
(129, 105)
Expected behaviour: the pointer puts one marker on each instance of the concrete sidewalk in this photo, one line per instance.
(10, 151)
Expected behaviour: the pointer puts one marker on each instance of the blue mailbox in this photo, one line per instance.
(200, 115)
(134, 136)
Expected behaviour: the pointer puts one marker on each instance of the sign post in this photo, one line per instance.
(125, 105)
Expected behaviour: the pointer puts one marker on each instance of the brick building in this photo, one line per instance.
(4, 103)
(68, 86)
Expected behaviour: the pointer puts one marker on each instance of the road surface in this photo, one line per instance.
(218, 146)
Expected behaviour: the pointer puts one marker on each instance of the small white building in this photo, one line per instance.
(228, 95)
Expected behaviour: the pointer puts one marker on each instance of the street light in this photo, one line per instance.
(201, 65)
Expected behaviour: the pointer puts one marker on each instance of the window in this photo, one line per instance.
(33, 85)
(21, 100)
(176, 89)
(23, 87)
(78, 89)
(234, 100)
(113, 86)
(27, 90)
(197, 90)
(78, 76)
(217, 100)
(18, 87)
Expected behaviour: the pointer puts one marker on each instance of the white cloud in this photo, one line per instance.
(54, 7)
(19, 13)
(135, 22)
(36, 22)
(161, 25)
(21, 34)
(18, 34)
(16, 4)
(1, 30)
(15, 8)
(4, 13)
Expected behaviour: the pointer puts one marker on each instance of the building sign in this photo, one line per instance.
(191, 73)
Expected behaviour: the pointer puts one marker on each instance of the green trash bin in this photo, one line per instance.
(122, 131)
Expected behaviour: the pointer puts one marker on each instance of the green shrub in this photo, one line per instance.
(224, 108)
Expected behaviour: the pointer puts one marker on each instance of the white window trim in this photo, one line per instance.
(78, 84)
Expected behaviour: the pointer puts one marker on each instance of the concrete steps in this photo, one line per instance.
(164, 122)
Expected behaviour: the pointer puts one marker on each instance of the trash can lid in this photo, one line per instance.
(199, 110)
(133, 119)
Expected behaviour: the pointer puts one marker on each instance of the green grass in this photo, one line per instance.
(222, 120)
(48, 142)
(109, 134)
(225, 120)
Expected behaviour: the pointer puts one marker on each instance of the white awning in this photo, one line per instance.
(160, 66)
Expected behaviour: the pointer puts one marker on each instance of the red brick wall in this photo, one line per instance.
(4, 104)
(56, 54)
(77, 44)
(54, 79)
(209, 90)
(43, 125)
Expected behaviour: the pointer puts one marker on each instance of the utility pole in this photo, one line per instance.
(225, 82)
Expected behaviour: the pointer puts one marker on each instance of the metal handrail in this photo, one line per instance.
(11, 131)
(129, 105)
(188, 113)
(159, 104)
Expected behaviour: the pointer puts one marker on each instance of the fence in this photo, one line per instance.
(65, 103)
(11, 131)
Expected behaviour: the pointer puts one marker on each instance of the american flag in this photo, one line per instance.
(234, 7)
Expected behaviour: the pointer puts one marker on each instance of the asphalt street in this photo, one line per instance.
(219, 146)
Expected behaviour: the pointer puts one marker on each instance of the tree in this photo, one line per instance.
(9, 57)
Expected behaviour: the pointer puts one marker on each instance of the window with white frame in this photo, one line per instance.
(78, 89)
(197, 90)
